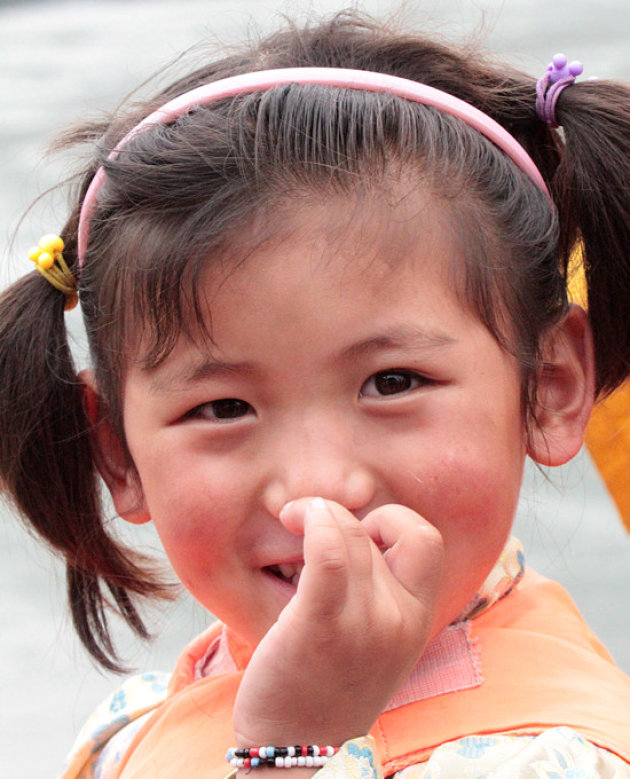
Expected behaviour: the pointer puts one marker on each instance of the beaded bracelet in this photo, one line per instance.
(311, 756)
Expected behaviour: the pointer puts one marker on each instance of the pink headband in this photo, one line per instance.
(333, 77)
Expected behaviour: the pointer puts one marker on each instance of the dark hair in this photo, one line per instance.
(181, 193)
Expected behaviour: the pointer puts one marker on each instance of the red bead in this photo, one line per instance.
(253, 752)
(247, 763)
(304, 751)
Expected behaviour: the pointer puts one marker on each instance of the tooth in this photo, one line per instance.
(287, 571)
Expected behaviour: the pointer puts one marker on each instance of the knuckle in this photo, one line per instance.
(332, 560)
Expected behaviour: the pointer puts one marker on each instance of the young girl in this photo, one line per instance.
(324, 285)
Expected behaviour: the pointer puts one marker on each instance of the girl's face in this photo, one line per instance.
(342, 366)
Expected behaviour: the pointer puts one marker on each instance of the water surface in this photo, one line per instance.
(61, 61)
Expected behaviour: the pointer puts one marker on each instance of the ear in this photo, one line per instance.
(565, 391)
(112, 461)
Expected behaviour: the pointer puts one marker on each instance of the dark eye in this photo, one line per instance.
(222, 410)
(387, 383)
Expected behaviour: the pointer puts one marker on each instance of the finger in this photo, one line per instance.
(387, 523)
(324, 580)
(338, 557)
(293, 517)
(292, 514)
(413, 548)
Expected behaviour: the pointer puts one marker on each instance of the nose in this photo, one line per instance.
(319, 460)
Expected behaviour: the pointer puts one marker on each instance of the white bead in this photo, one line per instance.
(291, 751)
(279, 762)
(330, 751)
(315, 750)
(262, 752)
(301, 761)
(309, 761)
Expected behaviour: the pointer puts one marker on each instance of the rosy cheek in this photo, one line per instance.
(465, 487)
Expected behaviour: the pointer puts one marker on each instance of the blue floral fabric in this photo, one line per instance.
(104, 738)
(558, 753)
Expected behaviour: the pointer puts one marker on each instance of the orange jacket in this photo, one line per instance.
(542, 667)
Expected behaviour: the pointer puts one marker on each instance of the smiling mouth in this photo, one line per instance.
(287, 572)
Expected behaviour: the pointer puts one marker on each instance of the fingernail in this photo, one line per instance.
(285, 508)
(317, 504)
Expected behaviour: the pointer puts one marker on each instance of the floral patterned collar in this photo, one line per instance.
(502, 579)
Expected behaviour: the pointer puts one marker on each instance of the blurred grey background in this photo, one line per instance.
(61, 60)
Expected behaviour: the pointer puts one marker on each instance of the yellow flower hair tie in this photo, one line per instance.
(49, 261)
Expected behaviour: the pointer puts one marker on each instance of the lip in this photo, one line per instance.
(267, 559)
(286, 572)
(297, 559)
(284, 590)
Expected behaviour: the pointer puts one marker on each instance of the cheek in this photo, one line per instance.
(467, 490)
(472, 502)
(197, 537)
(193, 508)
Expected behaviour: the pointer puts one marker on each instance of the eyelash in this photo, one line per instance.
(390, 379)
(226, 404)
(234, 408)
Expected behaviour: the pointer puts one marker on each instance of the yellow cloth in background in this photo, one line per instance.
(608, 433)
(608, 441)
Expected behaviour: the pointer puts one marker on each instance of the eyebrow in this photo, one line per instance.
(196, 372)
(399, 338)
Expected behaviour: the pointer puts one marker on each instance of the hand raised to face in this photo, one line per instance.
(357, 624)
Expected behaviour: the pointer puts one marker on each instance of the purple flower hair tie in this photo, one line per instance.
(558, 75)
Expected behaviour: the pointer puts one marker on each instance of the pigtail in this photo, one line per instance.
(592, 190)
(46, 464)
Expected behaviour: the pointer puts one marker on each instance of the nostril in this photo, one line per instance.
(354, 491)
(359, 489)
(275, 498)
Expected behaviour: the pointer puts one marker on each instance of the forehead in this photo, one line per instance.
(378, 238)
(370, 233)
(360, 259)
